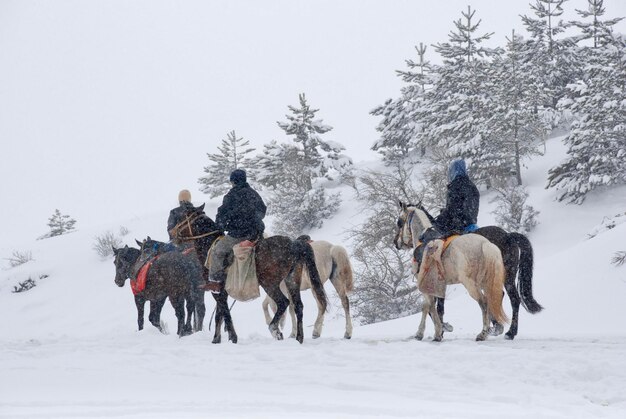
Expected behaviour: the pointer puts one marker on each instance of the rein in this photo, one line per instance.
(188, 220)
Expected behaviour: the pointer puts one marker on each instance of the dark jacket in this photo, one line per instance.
(241, 212)
(461, 206)
(177, 215)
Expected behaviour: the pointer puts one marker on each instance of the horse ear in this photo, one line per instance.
(126, 247)
(148, 238)
(402, 205)
(114, 250)
(138, 243)
(201, 207)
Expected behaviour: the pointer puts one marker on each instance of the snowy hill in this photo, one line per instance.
(69, 346)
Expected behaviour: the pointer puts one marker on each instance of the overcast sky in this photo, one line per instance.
(108, 108)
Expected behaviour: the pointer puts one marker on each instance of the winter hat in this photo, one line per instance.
(184, 196)
(238, 176)
(457, 168)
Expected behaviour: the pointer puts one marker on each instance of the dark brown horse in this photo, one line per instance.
(172, 275)
(277, 259)
(517, 255)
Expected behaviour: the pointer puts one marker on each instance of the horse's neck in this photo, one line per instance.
(419, 224)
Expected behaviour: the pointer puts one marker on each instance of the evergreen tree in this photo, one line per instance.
(294, 174)
(320, 157)
(553, 61)
(458, 103)
(596, 154)
(597, 30)
(400, 129)
(297, 209)
(515, 126)
(60, 224)
(232, 155)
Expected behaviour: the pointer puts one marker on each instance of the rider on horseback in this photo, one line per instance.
(459, 216)
(461, 211)
(241, 215)
(179, 213)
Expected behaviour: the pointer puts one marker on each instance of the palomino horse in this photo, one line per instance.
(471, 260)
(162, 280)
(333, 263)
(277, 259)
(517, 255)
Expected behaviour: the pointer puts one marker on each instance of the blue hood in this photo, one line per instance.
(457, 168)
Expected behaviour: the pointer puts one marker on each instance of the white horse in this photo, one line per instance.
(332, 263)
(470, 259)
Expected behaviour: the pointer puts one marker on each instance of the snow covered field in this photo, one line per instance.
(69, 347)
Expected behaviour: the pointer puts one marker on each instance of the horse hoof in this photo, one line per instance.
(347, 336)
(217, 340)
(447, 327)
(300, 339)
(292, 336)
(437, 338)
(481, 336)
(509, 336)
(315, 336)
(496, 330)
(419, 336)
(233, 339)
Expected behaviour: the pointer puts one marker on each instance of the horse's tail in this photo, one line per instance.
(306, 255)
(525, 283)
(342, 269)
(494, 276)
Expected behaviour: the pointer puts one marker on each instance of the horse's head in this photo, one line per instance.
(197, 227)
(412, 222)
(124, 260)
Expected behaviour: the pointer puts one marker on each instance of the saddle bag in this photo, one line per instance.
(241, 281)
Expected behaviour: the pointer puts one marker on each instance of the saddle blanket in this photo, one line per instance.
(138, 284)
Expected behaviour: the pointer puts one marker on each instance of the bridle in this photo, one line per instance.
(188, 220)
(405, 230)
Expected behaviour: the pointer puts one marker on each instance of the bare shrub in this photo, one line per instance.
(104, 244)
(19, 258)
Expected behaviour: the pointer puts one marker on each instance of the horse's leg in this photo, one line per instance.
(281, 306)
(434, 314)
(199, 312)
(296, 301)
(155, 314)
(266, 310)
(191, 308)
(178, 303)
(139, 303)
(428, 302)
(514, 297)
(346, 309)
(485, 332)
(222, 301)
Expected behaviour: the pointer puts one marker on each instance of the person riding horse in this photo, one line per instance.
(241, 216)
(179, 213)
(458, 217)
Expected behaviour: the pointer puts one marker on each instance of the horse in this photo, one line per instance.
(470, 259)
(195, 300)
(183, 233)
(517, 255)
(277, 259)
(163, 280)
(333, 263)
